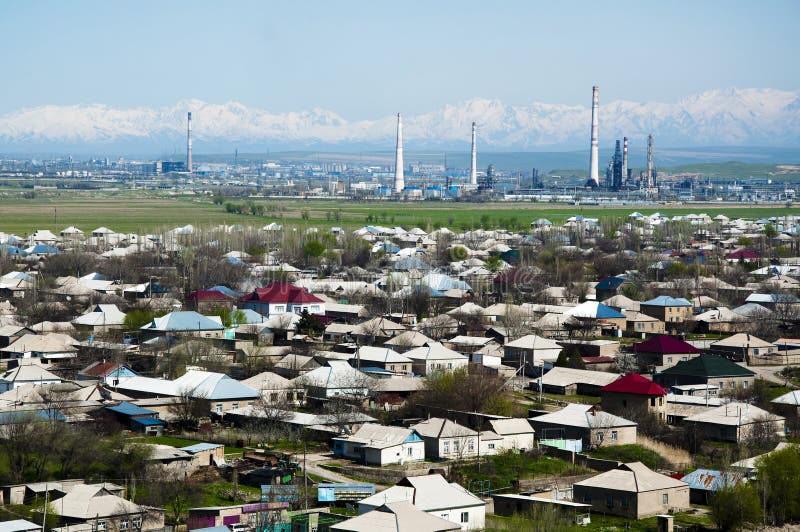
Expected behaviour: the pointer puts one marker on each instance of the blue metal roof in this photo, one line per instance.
(147, 421)
(609, 283)
(711, 480)
(187, 320)
(200, 447)
(225, 290)
(667, 301)
(129, 409)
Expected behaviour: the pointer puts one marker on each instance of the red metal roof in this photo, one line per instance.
(743, 254)
(101, 369)
(282, 293)
(208, 295)
(666, 345)
(634, 383)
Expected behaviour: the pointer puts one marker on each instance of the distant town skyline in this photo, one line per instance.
(365, 60)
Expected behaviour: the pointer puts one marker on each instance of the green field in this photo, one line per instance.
(143, 212)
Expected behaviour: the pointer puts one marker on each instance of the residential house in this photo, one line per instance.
(662, 352)
(530, 350)
(516, 433)
(435, 357)
(397, 516)
(635, 396)
(377, 331)
(235, 517)
(670, 310)
(743, 347)
(634, 491)
(640, 323)
(434, 495)
(382, 358)
(408, 340)
(380, 445)
(11, 333)
(704, 483)
(208, 300)
(587, 423)
(94, 505)
(280, 298)
(292, 365)
(337, 378)
(48, 347)
(27, 373)
(466, 345)
(101, 318)
(185, 323)
(719, 320)
(275, 389)
(220, 391)
(109, 373)
(136, 418)
(736, 422)
(447, 440)
(23, 525)
(593, 315)
(569, 381)
(707, 369)
(206, 454)
(788, 405)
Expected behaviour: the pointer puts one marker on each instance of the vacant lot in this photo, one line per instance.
(144, 212)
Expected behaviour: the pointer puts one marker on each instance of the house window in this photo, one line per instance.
(471, 446)
(137, 522)
(721, 385)
(755, 351)
(446, 448)
(669, 360)
(279, 308)
(219, 408)
(652, 401)
(101, 525)
(410, 451)
(599, 437)
(455, 446)
(613, 435)
(491, 446)
(465, 517)
(624, 502)
(273, 397)
(744, 384)
(610, 501)
(665, 499)
(123, 524)
(235, 406)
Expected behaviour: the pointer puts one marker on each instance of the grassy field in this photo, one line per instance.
(143, 212)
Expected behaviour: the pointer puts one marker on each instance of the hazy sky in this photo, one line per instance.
(369, 59)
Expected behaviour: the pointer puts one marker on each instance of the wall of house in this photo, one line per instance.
(518, 441)
(475, 518)
(623, 404)
(399, 454)
(624, 436)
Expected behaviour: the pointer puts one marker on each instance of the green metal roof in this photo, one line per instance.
(708, 366)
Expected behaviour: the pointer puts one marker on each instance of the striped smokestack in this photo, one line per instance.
(189, 143)
(399, 179)
(473, 169)
(624, 159)
(594, 156)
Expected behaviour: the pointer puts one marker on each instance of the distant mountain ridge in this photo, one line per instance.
(722, 117)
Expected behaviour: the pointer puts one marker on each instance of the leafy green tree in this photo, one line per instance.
(493, 263)
(777, 480)
(458, 253)
(736, 507)
(309, 324)
(770, 231)
(313, 249)
(136, 319)
(570, 359)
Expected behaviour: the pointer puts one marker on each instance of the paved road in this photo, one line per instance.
(771, 373)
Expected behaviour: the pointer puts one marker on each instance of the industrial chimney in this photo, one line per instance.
(624, 159)
(593, 162)
(473, 170)
(189, 143)
(650, 181)
(399, 179)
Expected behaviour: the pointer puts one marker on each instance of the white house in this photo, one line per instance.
(375, 444)
(445, 439)
(434, 495)
(517, 433)
(435, 357)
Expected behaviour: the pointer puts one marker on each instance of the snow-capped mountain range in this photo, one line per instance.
(726, 117)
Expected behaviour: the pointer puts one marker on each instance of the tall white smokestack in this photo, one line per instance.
(594, 174)
(473, 169)
(399, 179)
(650, 179)
(189, 143)
(624, 159)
